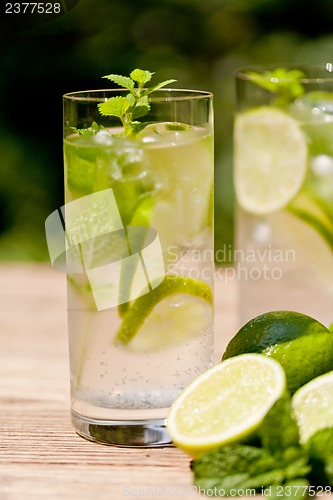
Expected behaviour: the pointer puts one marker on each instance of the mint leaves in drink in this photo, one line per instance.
(285, 84)
(133, 105)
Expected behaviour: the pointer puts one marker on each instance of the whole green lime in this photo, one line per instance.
(302, 345)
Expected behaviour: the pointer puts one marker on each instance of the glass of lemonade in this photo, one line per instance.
(283, 176)
(139, 229)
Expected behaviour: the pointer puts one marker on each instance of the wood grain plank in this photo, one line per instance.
(41, 457)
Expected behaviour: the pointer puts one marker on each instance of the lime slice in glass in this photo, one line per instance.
(176, 310)
(313, 406)
(225, 404)
(270, 159)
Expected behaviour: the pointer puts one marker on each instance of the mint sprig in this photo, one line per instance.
(274, 461)
(285, 84)
(135, 104)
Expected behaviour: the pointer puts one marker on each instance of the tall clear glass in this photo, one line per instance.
(283, 175)
(139, 230)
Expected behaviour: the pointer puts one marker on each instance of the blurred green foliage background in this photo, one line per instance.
(199, 42)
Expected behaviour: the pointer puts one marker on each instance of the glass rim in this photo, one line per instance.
(183, 95)
(321, 70)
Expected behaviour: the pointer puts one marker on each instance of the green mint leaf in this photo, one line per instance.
(231, 466)
(140, 111)
(123, 81)
(138, 126)
(115, 106)
(141, 108)
(297, 489)
(320, 449)
(177, 127)
(131, 99)
(279, 429)
(285, 84)
(294, 461)
(92, 130)
(135, 104)
(242, 466)
(141, 76)
(159, 86)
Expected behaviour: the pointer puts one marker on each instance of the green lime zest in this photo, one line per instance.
(135, 104)
(285, 84)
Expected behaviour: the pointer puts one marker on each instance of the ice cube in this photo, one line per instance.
(313, 107)
(103, 137)
(170, 132)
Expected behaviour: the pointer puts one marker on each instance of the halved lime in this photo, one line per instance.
(225, 404)
(270, 159)
(313, 406)
(176, 310)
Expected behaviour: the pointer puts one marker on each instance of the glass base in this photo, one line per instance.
(127, 433)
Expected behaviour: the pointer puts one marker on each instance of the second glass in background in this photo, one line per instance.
(283, 174)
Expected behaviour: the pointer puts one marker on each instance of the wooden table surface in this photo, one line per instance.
(41, 457)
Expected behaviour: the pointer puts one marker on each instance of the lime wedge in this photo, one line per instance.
(270, 159)
(313, 406)
(176, 310)
(225, 404)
